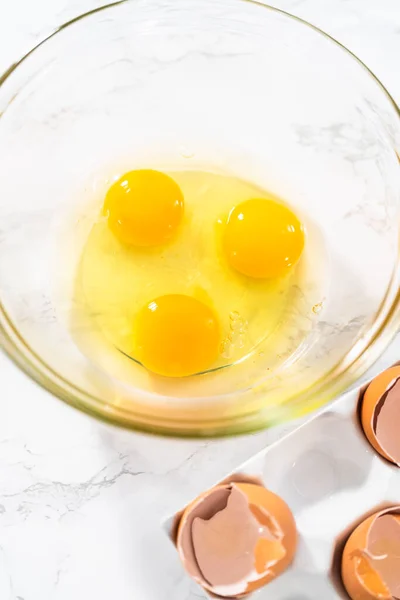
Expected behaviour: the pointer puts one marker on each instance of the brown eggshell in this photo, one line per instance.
(274, 505)
(259, 498)
(370, 402)
(184, 546)
(357, 541)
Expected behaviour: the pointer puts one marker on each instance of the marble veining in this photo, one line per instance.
(81, 502)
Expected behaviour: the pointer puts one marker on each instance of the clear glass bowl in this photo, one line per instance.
(235, 84)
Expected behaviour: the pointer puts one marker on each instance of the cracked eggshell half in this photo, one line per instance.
(371, 558)
(380, 414)
(235, 538)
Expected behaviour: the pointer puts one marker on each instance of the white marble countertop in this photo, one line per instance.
(81, 502)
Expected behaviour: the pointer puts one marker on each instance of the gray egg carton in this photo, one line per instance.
(332, 479)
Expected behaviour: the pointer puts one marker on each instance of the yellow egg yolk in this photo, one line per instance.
(263, 238)
(177, 335)
(144, 208)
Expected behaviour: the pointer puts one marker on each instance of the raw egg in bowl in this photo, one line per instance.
(201, 243)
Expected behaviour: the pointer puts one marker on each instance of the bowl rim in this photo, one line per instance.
(345, 372)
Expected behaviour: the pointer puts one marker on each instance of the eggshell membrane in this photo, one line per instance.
(267, 507)
(374, 392)
(358, 541)
(272, 504)
(189, 562)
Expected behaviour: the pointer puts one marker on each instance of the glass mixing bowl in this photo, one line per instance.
(230, 83)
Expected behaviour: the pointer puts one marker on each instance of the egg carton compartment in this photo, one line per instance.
(332, 479)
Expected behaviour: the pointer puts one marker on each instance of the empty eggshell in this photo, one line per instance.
(371, 558)
(380, 414)
(235, 538)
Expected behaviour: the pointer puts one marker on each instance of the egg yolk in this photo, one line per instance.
(177, 335)
(263, 238)
(144, 208)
